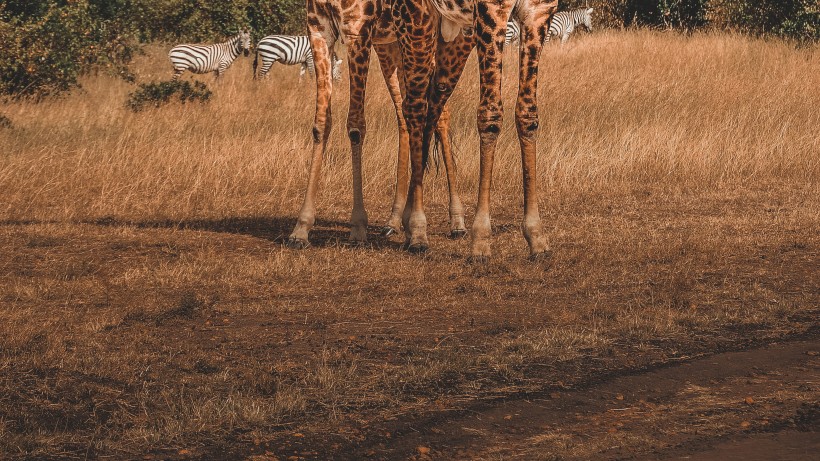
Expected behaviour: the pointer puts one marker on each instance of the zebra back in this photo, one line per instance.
(513, 33)
(564, 22)
(290, 50)
(208, 58)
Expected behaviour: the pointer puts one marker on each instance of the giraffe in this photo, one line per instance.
(360, 24)
(434, 39)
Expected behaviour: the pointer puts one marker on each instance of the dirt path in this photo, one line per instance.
(755, 404)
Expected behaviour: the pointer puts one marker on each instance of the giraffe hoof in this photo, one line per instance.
(545, 255)
(295, 243)
(478, 260)
(457, 234)
(417, 248)
(387, 231)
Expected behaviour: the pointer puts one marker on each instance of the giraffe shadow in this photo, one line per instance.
(325, 233)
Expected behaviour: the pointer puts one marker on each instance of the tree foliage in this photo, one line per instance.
(47, 44)
(793, 19)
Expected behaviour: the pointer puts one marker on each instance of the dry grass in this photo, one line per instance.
(652, 109)
(148, 304)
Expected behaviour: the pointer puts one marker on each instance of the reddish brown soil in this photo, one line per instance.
(771, 427)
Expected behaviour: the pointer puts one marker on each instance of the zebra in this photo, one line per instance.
(289, 49)
(513, 33)
(564, 23)
(217, 57)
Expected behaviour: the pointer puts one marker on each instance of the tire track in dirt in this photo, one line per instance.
(760, 403)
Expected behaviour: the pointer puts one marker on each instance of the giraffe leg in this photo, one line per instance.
(491, 24)
(321, 130)
(450, 60)
(389, 61)
(358, 50)
(526, 121)
(457, 227)
(417, 43)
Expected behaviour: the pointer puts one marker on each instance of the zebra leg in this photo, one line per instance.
(321, 45)
(526, 120)
(265, 69)
(565, 36)
(389, 61)
(358, 50)
(450, 60)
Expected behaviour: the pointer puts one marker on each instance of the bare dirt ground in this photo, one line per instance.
(758, 403)
(208, 339)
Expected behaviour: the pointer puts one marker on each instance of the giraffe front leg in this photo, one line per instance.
(389, 61)
(358, 61)
(321, 131)
(526, 121)
(491, 22)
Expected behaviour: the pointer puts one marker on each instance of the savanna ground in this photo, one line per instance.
(149, 309)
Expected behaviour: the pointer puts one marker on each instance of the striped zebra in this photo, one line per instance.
(290, 50)
(217, 57)
(564, 23)
(513, 33)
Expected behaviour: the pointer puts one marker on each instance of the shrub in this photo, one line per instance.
(47, 45)
(796, 19)
(160, 93)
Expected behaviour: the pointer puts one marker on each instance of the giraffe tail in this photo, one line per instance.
(434, 151)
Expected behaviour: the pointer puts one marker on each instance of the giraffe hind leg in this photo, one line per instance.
(358, 60)
(389, 61)
(451, 58)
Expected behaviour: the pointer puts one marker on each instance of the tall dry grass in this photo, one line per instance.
(617, 108)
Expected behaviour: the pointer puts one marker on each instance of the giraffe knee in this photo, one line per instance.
(527, 123)
(317, 135)
(490, 123)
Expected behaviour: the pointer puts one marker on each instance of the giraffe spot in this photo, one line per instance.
(355, 136)
(317, 137)
(369, 9)
(493, 128)
(532, 126)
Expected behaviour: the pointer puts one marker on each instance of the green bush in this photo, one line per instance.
(794, 19)
(208, 20)
(48, 44)
(157, 94)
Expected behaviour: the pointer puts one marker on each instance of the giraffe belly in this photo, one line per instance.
(455, 16)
